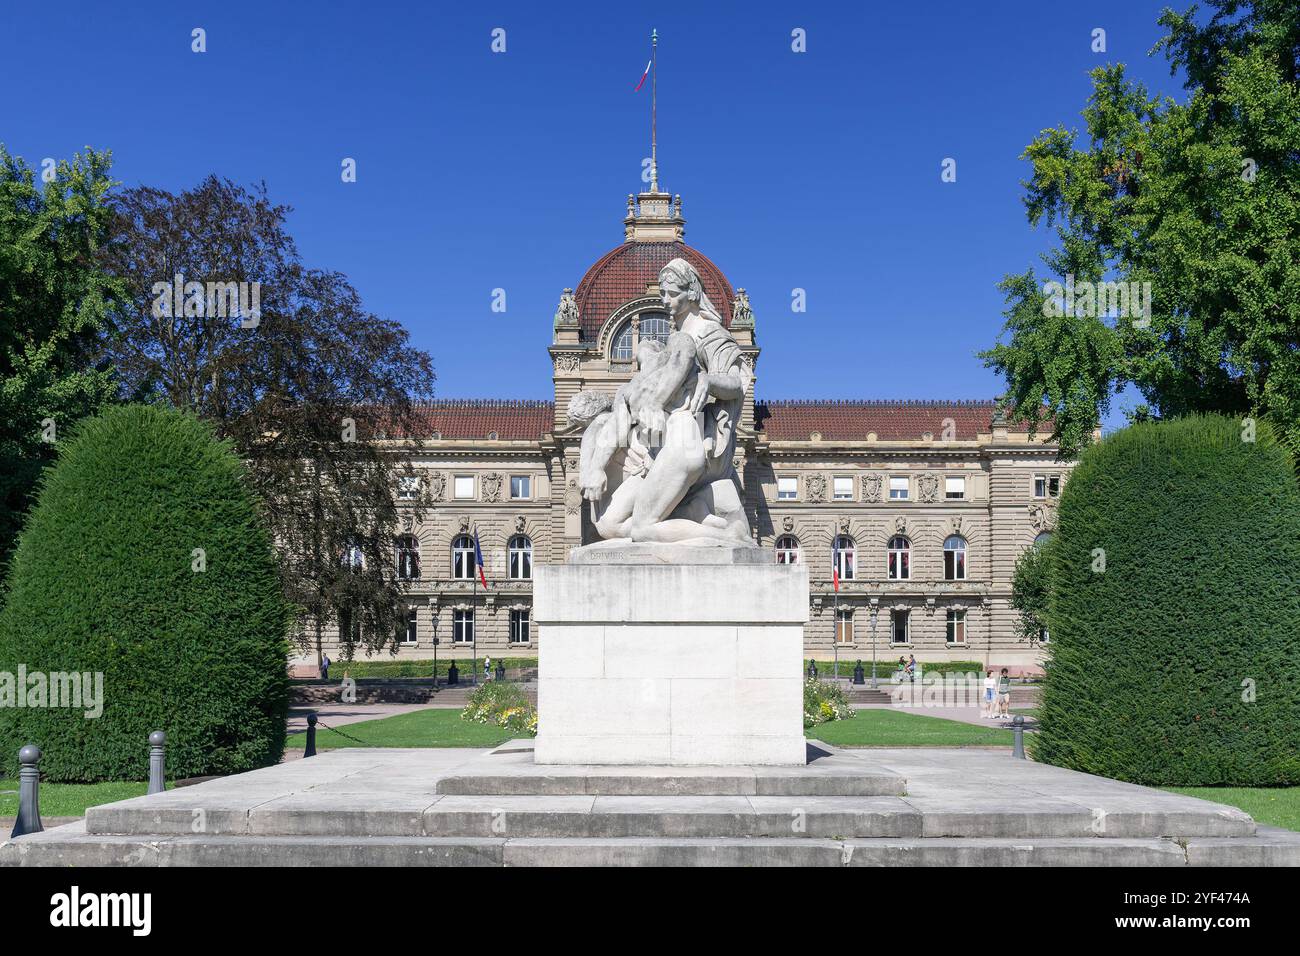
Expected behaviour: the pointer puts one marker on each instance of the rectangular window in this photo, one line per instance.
(519, 627)
(956, 627)
(462, 626)
(843, 489)
(464, 486)
(898, 627)
(1047, 486)
(898, 489)
(787, 489)
(954, 489)
(844, 627)
(408, 487)
(408, 634)
(521, 486)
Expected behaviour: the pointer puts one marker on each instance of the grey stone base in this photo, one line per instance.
(393, 808)
(72, 846)
(510, 770)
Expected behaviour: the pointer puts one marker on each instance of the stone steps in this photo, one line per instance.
(72, 846)
(587, 816)
(945, 807)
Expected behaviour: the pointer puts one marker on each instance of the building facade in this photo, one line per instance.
(922, 507)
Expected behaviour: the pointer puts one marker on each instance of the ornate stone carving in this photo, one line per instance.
(844, 525)
(900, 525)
(956, 525)
(1042, 517)
(572, 496)
(927, 488)
(491, 485)
(815, 485)
(437, 486)
(567, 362)
(408, 524)
(520, 524)
(787, 524)
(872, 487)
(567, 313)
(742, 316)
(464, 523)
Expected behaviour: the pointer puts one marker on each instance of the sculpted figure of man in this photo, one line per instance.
(660, 460)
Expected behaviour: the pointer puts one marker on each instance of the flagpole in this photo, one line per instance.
(473, 678)
(654, 97)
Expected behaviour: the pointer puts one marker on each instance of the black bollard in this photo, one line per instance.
(1018, 728)
(500, 671)
(453, 675)
(157, 740)
(812, 669)
(310, 751)
(29, 792)
(859, 675)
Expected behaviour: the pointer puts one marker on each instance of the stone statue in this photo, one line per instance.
(658, 465)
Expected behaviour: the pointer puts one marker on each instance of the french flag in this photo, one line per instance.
(478, 560)
(641, 82)
(835, 564)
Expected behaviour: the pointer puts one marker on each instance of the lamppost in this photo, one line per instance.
(875, 609)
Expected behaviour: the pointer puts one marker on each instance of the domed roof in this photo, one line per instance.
(623, 273)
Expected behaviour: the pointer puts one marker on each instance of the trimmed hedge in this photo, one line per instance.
(1179, 663)
(104, 581)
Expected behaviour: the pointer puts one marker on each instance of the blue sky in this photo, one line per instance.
(479, 170)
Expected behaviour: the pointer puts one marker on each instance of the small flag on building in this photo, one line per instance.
(835, 565)
(478, 560)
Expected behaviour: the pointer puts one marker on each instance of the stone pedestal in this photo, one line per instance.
(670, 655)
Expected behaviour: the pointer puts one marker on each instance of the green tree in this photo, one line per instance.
(1029, 592)
(308, 390)
(53, 299)
(1174, 592)
(145, 560)
(1199, 198)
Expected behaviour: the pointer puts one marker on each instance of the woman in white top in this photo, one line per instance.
(987, 701)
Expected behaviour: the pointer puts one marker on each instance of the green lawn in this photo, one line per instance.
(896, 728)
(69, 799)
(1271, 806)
(418, 728)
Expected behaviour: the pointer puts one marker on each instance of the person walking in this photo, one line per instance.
(911, 667)
(987, 703)
(325, 667)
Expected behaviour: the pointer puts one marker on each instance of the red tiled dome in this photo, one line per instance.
(623, 273)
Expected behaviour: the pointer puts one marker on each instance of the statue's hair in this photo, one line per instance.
(686, 278)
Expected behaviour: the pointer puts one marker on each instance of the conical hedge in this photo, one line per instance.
(145, 560)
(1175, 610)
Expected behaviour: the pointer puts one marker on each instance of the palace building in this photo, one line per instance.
(925, 505)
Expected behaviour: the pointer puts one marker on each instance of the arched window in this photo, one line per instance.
(1042, 539)
(407, 553)
(354, 559)
(787, 549)
(652, 325)
(519, 554)
(462, 558)
(900, 558)
(954, 558)
(843, 555)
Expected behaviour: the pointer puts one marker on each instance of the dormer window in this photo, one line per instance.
(652, 325)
